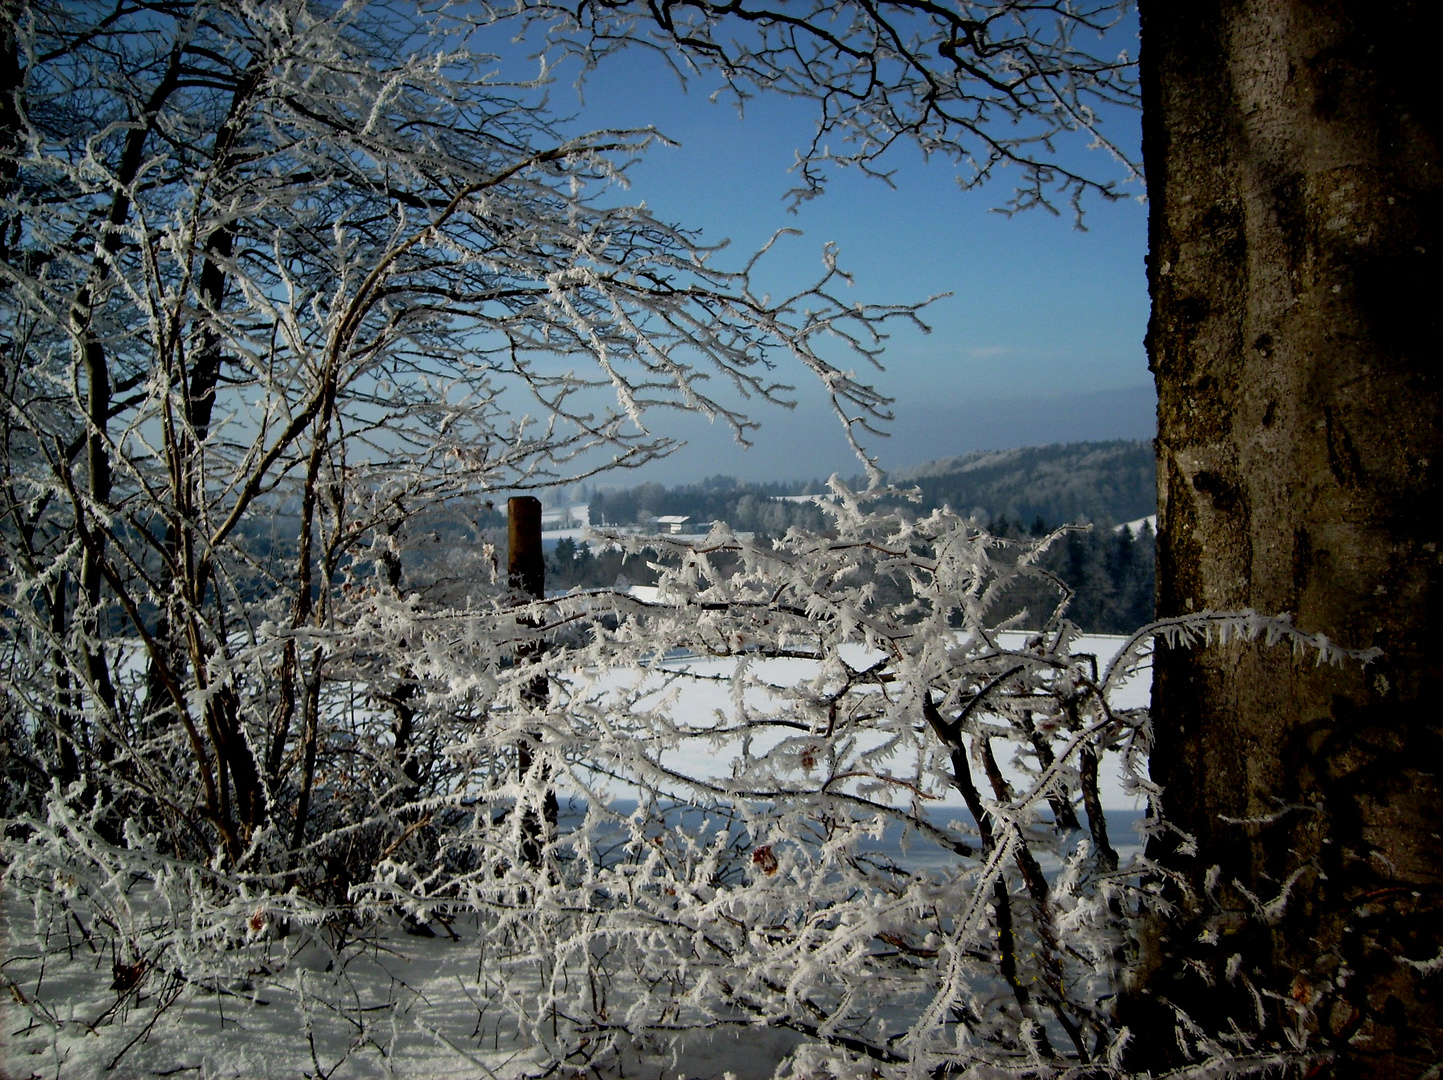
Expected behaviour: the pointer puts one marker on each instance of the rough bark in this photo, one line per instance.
(1292, 159)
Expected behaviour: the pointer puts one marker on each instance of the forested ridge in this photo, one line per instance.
(1063, 483)
(1025, 492)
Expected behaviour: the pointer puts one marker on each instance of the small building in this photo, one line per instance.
(671, 523)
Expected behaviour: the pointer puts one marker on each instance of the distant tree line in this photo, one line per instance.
(1110, 569)
(1013, 493)
(572, 565)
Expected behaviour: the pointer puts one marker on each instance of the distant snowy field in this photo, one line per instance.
(416, 1007)
(708, 694)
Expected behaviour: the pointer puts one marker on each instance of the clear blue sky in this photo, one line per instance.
(1040, 341)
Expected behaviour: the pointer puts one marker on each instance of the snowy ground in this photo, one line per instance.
(566, 522)
(417, 1007)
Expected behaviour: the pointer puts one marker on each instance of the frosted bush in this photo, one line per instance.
(676, 898)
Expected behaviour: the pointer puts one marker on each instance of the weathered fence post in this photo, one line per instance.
(525, 563)
(526, 572)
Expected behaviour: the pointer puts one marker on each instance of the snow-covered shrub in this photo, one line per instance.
(866, 685)
(714, 869)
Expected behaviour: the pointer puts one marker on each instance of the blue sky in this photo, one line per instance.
(1041, 339)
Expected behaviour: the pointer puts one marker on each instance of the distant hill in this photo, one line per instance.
(1060, 484)
(1036, 488)
(1027, 491)
(1067, 482)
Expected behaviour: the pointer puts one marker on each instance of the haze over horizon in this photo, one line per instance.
(807, 443)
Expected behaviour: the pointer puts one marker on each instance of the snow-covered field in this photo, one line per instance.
(708, 694)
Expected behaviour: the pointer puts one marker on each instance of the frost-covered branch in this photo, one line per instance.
(988, 85)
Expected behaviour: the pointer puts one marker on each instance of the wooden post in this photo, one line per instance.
(525, 564)
(526, 572)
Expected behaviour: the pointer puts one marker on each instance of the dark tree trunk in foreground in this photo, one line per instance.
(1292, 152)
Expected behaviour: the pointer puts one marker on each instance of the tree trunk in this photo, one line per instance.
(1292, 160)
